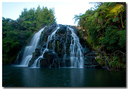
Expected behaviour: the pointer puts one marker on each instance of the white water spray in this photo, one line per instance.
(76, 55)
(50, 37)
(27, 55)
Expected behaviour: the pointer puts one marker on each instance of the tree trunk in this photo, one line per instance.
(121, 21)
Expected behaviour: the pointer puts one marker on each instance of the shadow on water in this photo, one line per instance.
(61, 77)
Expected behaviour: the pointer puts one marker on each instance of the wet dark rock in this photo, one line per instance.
(19, 57)
(62, 64)
(44, 63)
(37, 52)
(62, 30)
(62, 40)
(75, 30)
(50, 56)
(54, 66)
(58, 45)
(90, 60)
(68, 63)
(51, 59)
(35, 55)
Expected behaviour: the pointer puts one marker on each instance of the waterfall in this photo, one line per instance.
(50, 37)
(37, 61)
(76, 55)
(27, 55)
(71, 49)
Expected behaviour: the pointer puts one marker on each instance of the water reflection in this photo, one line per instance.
(77, 77)
(32, 77)
(61, 77)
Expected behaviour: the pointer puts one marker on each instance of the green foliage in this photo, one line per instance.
(94, 36)
(110, 39)
(100, 61)
(114, 39)
(106, 28)
(17, 33)
(116, 63)
(115, 19)
(122, 38)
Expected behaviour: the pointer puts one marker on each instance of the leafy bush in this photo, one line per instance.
(114, 39)
(101, 61)
(116, 63)
(110, 40)
(122, 39)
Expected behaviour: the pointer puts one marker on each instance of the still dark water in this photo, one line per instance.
(61, 77)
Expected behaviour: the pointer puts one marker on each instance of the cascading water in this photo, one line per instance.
(37, 61)
(64, 43)
(50, 37)
(76, 55)
(27, 55)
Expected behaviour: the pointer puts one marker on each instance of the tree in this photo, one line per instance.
(106, 27)
(17, 33)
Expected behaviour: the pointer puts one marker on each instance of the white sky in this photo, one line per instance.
(64, 10)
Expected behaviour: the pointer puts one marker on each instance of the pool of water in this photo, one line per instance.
(14, 76)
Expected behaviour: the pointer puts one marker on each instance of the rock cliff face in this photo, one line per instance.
(57, 46)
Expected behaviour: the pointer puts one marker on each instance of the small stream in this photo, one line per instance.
(14, 76)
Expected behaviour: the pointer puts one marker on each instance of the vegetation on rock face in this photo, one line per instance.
(105, 30)
(17, 33)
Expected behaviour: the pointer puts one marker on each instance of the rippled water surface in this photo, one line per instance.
(61, 77)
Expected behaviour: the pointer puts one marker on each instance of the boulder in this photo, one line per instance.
(19, 57)
(62, 64)
(44, 63)
(52, 58)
